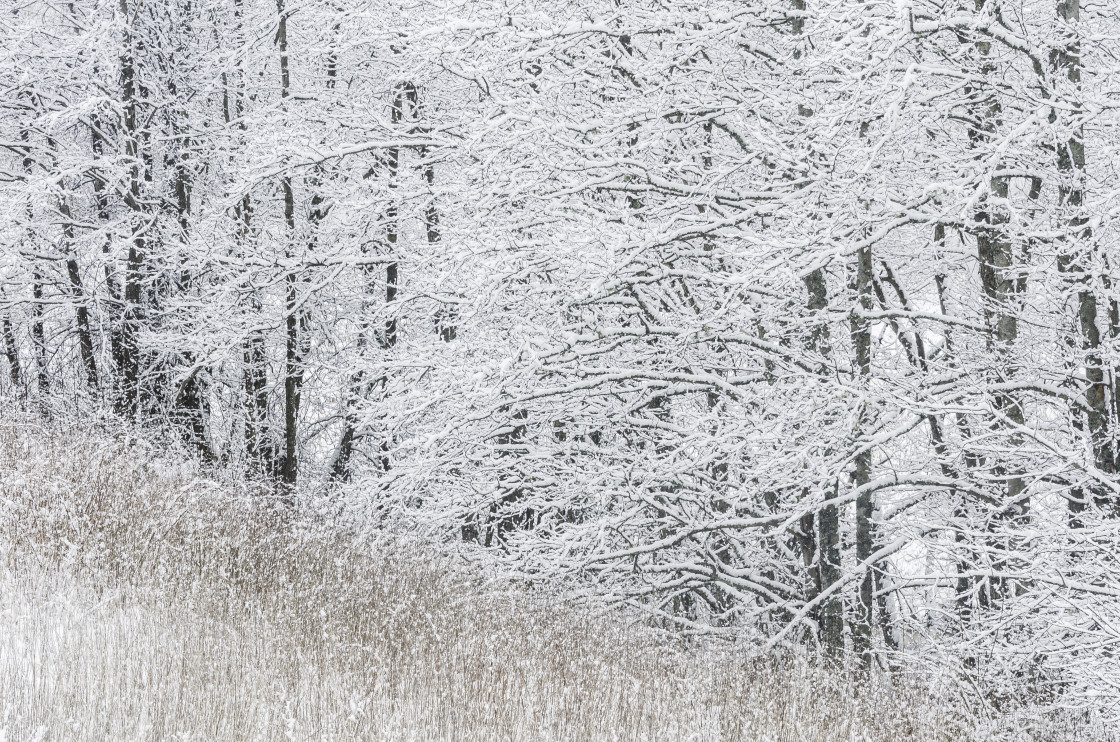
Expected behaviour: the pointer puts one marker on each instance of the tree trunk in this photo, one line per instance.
(996, 260)
(260, 448)
(294, 317)
(828, 563)
(189, 403)
(11, 351)
(827, 527)
(132, 315)
(258, 441)
(38, 333)
(293, 357)
(865, 537)
(1066, 62)
(81, 311)
(39, 338)
(113, 303)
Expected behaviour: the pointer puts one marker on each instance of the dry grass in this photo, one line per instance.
(142, 603)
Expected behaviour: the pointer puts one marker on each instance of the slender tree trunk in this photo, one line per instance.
(447, 316)
(81, 311)
(962, 508)
(113, 303)
(865, 537)
(295, 319)
(827, 526)
(190, 398)
(391, 213)
(1114, 336)
(828, 519)
(39, 337)
(132, 315)
(258, 441)
(828, 566)
(260, 449)
(831, 617)
(1066, 62)
(38, 333)
(293, 366)
(11, 351)
(341, 466)
(996, 260)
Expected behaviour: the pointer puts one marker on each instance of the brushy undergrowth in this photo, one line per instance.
(141, 599)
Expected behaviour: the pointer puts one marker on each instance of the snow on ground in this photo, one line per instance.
(143, 602)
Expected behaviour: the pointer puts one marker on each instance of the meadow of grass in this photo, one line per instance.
(142, 598)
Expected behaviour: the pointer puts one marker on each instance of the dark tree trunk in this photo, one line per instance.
(865, 536)
(294, 317)
(824, 534)
(38, 333)
(132, 314)
(258, 440)
(1066, 62)
(39, 337)
(293, 365)
(11, 351)
(189, 404)
(114, 302)
(996, 260)
(81, 311)
(260, 448)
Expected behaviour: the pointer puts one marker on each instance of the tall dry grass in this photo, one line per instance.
(142, 601)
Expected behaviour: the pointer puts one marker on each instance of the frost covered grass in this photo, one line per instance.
(140, 600)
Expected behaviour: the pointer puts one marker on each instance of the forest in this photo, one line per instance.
(780, 324)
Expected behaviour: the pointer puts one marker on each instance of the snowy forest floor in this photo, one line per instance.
(142, 598)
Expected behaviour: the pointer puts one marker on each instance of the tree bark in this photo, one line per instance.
(113, 303)
(294, 317)
(189, 403)
(865, 537)
(826, 542)
(996, 259)
(260, 449)
(81, 311)
(1066, 63)
(258, 441)
(132, 314)
(39, 338)
(38, 333)
(831, 618)
(11, 351)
